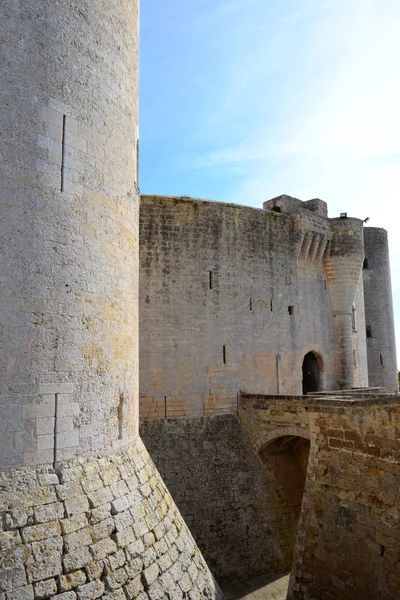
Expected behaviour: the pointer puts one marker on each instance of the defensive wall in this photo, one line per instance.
(233, 298)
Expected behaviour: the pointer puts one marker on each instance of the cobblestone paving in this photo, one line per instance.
(261, 588)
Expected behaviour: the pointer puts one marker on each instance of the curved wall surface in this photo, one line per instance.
(68, 232)
(381, 343)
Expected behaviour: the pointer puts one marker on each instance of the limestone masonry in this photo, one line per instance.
(268, 383)
(83, 511)
(280, 300)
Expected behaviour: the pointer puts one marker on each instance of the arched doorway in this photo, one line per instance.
(311, 374)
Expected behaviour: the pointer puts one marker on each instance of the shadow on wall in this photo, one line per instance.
(285, 461)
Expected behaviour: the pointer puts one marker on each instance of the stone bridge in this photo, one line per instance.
(334, 460)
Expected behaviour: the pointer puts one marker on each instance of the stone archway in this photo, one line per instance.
(311, 374)
(285, 461)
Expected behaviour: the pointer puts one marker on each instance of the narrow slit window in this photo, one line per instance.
(224, 354)
(63, 154)
(381, 359)
(354, 358)
(137, 162)
(210, 280)
(271, 306)
(251, 304)
(366, 263)
(325, 284)
(165, 407)
(369, 331)
(291, 309)
(353, 318)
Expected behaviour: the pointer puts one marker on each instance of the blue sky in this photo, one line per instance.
(243, 100)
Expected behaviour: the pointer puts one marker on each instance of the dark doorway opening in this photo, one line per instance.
(311, 374)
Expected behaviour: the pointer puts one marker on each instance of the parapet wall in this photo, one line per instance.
(103, 527)
(348, 544)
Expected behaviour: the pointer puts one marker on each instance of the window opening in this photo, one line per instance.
(353, 318)
(369, 331)
(271, 306)
(251, 303)
(210, 280)
(291, 309)
(224, 354)
(366, 263)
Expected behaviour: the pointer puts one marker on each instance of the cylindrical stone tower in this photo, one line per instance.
(83, 512)
(381, 345)
(69, 231)
(343, 265)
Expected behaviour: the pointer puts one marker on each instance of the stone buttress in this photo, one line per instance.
(84, 513)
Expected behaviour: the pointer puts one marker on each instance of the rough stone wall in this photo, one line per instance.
(381, 346)
(348, 545)
(230, 500)
(217, 281)
(104, 527)
(68, 229)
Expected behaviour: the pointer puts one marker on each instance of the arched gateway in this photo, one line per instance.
(311, 374)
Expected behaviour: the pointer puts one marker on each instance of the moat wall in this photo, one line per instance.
(230, 499)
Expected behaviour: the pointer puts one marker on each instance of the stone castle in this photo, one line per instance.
(241, 313)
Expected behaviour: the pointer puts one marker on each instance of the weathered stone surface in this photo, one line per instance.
(45, 589)
(84, 556)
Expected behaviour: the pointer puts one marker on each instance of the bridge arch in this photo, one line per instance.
(284, 454)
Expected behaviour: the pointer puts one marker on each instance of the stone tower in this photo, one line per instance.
(82, 509)
(381, 345)
(69, 229)
(343, 265)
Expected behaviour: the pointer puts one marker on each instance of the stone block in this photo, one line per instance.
(36, 533)
(102, 530)
(45, 426)
(134, 587)
(49, 512)
(55, 388)
(76, 560)
(43, 570)
(23, 593)
(103, 548)
(99, 497)
(72, 580)
(45, 589)
(150, 574)
(74, 523)
(91, 590)
(77, 539)
(48, 548)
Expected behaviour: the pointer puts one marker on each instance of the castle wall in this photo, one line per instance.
(381, 346)
(230, 500)
(69, 229)
(348, 543)
(217, 284)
